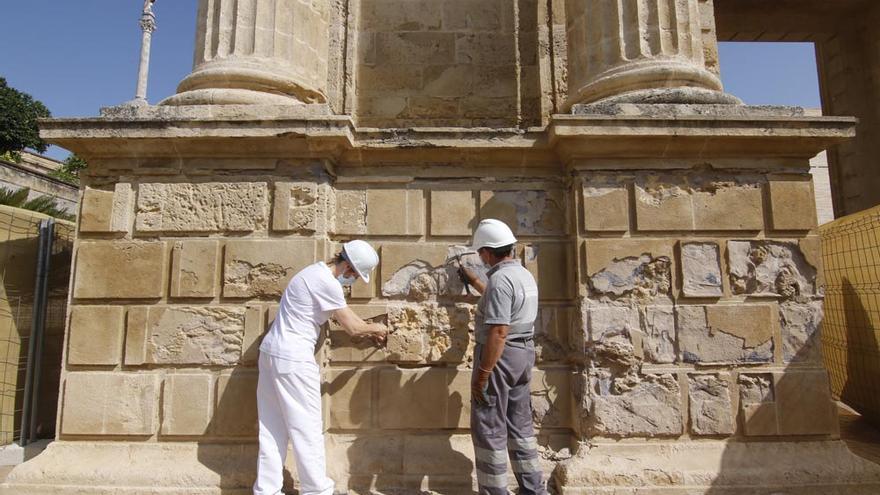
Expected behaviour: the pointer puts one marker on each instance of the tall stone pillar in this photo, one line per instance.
(641, 51)
(258, 52)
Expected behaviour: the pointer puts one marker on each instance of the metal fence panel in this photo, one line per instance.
(851, 330)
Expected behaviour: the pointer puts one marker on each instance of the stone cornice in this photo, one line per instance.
(665, 131)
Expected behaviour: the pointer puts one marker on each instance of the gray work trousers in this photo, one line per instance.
(504, 426)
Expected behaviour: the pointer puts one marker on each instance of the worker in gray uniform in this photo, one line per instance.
(501, 408)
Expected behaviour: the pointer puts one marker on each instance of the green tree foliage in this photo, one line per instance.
(41, 204)
(69, 170)
(18, 121)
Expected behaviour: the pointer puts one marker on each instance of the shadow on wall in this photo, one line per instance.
(396, 462)
(793, 408)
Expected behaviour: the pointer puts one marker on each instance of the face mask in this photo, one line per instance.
(346, 281)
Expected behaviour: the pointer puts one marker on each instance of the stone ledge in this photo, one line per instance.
(627, 131)
(719, 468)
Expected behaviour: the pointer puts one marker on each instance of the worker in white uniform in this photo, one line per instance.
(289, 386)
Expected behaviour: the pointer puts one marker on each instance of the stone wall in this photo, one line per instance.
(672, 232)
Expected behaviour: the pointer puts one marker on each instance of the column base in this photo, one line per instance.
(659, 81)
(718, 468)
(240, 82)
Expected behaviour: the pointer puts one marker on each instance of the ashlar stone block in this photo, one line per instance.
(803, 403)
(792, 204)
(96, 335)
(551, 397)
(770, 268)
(526, 212)
(415, 271)
(263, 268)
(188, 404)
(453, 213)
(202, 207)
(105, 403)
(194, 267)
(741, 333)
(729, 205)
(120, 270)
(711, 412)
(107, 211)
(663, 204)
(421, 398)
(350, 393)
(430, 333)
(637, 269)
(757, 405)
(630, 406)
(175, 335)
(550, 263)
(300, 207)
(235, 407)
(552, 330)
(606, 207)
(801, 326)
(350, 212)
(395, 212)
(701, 269)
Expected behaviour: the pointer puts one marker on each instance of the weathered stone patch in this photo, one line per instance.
(701, 269)
(710, 406)
(770, 268)
(430, 333)
(205, 207)
(726, 334)
(185, 335)
(630, 405)
(263, 268)
(643, 277)
(801, 325)
(757, 403)
(526, 212)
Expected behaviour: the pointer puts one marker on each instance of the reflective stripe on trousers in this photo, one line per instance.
(504, 428)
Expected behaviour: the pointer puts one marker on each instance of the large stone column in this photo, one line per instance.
(258, 52)
(641, 51)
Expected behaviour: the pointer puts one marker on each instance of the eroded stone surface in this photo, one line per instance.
(526, 212)
(194, 268)
(606, 206)
(658, 327)
(350, 212)
(710, 406)
(630, 405)
(185, 335)
(726, 334)
(421, 272)
(205, 207)
(300, 207)
(428, 332)
(770, 268)
(643, 277)
(551, 403)
(701, 269)
(101, 403)
(801, 325)
(757, 404)
(263, 268)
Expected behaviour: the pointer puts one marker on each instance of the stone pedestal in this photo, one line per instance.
(271, 52)
(641, 51)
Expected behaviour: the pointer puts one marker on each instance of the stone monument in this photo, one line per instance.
(671, 230)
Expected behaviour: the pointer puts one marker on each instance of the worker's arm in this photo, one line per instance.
(474, 280)
(492, 350)
(355, 326)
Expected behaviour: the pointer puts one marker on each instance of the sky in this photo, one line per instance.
(79, 56)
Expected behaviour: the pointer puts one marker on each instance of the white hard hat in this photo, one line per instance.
(362, 257)
(492, 233)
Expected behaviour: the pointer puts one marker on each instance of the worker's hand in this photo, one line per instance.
(479, 387)
(466, 274)
(378, 334)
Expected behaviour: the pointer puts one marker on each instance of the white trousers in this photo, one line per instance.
(289, 409)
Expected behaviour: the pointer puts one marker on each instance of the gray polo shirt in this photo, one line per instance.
(511, 298)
